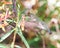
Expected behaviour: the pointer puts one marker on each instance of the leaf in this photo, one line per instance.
(3, 29)
(17, 46)
(19, 32)
(2, 46)
(34, 40)
(1, 26)
(6, 35)
(12, 45)
(51, 46)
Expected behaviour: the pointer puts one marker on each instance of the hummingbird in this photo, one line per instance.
(33, 24)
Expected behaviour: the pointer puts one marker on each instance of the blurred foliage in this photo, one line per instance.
(10, 26)
(51, 46)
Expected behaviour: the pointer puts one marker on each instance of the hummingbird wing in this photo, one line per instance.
(41, 24)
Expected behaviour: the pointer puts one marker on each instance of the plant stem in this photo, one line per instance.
(23, 39)
(14, 39)
(43, 40)
(14, 8)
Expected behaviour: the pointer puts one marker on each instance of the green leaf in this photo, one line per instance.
(31, 41)
(19, 32)
(9, 20)
(12, 45)
(51, 46)
(2, 46)
(6, 35)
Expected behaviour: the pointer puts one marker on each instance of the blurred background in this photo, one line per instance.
(35, 18)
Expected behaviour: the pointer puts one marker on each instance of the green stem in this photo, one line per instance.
(23, 39)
